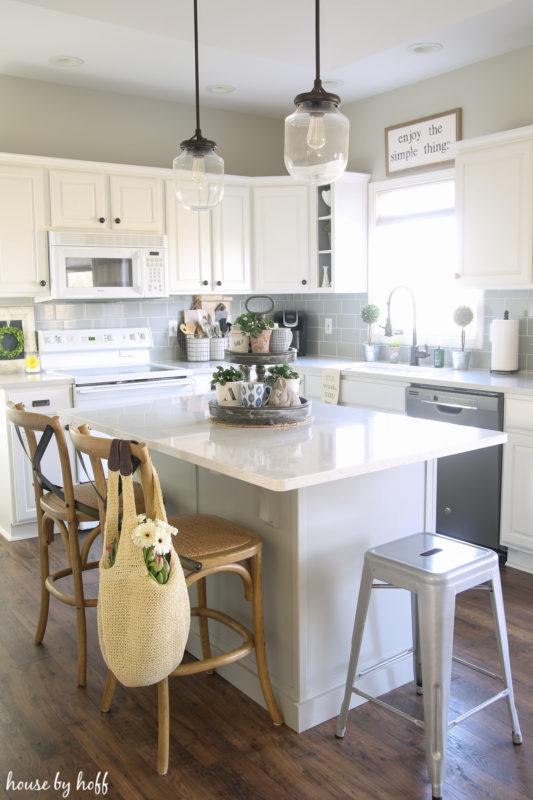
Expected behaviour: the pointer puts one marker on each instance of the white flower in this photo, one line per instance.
(162, 541)
(141, 518)
(144, 535)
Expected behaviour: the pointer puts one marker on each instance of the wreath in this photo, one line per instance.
(19, 346)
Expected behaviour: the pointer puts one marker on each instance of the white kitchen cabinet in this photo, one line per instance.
(281, 236)
(494, 205)
(209, 251)
(23, 246)
(339, 244)
(517, 480)
(103, 201)
(17, 502)
(361, 392)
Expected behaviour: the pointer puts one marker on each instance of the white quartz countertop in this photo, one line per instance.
(472, 379)
(25, 380)
(339, 442)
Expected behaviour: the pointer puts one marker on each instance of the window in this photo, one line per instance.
(412, 243)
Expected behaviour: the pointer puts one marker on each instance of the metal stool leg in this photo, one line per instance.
(417, 663)
(436, 609)
(358, 630)
(498, 613)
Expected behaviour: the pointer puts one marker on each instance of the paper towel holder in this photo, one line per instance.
(505, 355)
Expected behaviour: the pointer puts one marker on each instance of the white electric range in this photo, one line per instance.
(111, 366)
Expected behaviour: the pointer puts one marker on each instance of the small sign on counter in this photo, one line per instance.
(331, 381)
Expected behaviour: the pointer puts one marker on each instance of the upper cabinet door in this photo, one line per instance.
(79, 200)
(23, 247)
(136, 203)
(189, 246)
(281, 237)
(231, 240)
(98, 201)
(494, 203)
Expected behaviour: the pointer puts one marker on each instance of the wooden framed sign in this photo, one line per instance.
(424, 142)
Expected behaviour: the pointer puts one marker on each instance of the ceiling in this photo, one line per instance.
(263, 49)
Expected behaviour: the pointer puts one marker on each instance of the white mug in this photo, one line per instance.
(238, 341)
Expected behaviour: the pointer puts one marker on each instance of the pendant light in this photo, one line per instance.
(198, 170)
(316, 133)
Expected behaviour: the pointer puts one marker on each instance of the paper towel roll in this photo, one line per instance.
(504, 345)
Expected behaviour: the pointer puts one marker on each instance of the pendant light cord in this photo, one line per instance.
(197, 84)
(317, 41)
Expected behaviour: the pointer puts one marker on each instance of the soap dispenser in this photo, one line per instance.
(438, 357)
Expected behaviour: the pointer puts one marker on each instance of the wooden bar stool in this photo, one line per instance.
(206, 545)
(434, 569)
(64, 507)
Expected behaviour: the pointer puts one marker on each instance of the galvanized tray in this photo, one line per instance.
(243, 416)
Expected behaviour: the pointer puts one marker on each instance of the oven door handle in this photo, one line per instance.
(178, 384)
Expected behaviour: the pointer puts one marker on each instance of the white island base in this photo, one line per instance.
(314, 542)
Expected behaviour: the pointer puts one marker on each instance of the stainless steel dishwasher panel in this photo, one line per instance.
(468, 484)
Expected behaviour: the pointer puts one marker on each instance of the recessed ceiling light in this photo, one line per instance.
(332, 83)
(424, 47)
(66, 61)
(220, 89)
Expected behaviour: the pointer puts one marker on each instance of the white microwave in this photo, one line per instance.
(107, 266)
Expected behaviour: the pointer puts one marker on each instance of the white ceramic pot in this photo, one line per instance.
(238, 341)
(230, 394)
(280, 340)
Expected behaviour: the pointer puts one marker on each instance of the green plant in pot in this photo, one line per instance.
(227, 381)
(462, 316)
(370, 315)
(258, 328)
(283, 371)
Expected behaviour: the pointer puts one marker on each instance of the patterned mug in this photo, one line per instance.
(255, 395)
(280, 340)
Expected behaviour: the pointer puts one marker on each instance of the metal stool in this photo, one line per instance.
(434, 569)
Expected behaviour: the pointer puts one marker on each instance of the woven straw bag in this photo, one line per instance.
(142, 625)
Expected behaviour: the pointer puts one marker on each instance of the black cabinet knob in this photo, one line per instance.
(42, 283)
(117, 220)
(219, 283)
(205, 283)
(102, 219)
(304, 282)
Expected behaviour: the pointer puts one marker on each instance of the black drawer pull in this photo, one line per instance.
(39, 403)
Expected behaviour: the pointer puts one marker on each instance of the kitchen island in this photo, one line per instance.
(320, 494)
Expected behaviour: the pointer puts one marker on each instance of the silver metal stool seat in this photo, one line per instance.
(434, 569)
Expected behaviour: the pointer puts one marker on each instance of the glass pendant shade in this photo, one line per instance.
(316, 142)
(198, 177)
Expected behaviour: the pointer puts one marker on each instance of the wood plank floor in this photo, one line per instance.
(222, 744)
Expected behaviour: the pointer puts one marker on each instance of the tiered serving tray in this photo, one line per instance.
(242, 416)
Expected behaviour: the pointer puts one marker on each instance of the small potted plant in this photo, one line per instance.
(258, 328)
(462, 316)
(227, 381)
(394, 350)
(370, 315)
(292, 377)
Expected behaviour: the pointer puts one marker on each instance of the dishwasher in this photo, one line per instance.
(468, 484)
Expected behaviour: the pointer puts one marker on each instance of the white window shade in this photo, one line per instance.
(412, 242)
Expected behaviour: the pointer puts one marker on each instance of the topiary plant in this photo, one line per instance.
(463, 316)
(370, 314)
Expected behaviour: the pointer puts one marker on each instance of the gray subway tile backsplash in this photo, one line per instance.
(346, 340)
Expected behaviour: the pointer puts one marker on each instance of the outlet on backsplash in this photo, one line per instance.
(328, 326)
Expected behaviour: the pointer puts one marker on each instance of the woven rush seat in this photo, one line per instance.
(86, 494)
(201, 536)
